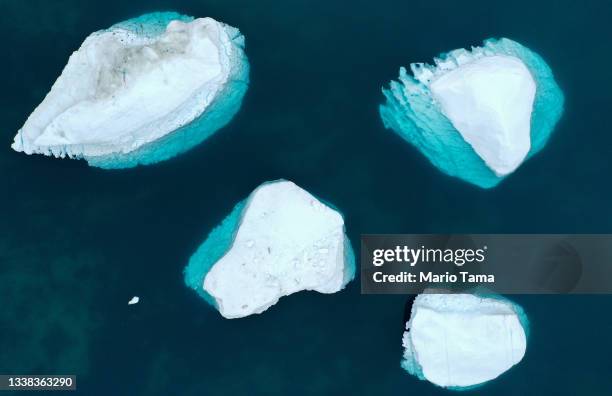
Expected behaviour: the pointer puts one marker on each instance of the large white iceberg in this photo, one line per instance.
(140, 92)
(279, 241)
(476, 114)
(461, 340)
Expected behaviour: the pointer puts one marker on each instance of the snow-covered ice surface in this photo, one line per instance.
(141, 92)
(489, 102)
(459, 341)
(477, 114)
(279, 241)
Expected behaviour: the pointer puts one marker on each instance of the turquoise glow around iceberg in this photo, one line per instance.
(214, 247)
(219, 241)
(218, 114)
(412, 113)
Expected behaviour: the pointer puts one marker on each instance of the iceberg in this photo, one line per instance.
(140, 92)
(459, 341)
(476, 115)
(279, 241)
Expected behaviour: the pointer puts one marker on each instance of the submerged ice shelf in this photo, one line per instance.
(477, 114)
(462, 340)
(279, 241)
(140, 92)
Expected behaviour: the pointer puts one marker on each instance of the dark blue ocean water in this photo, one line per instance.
(77, 242)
